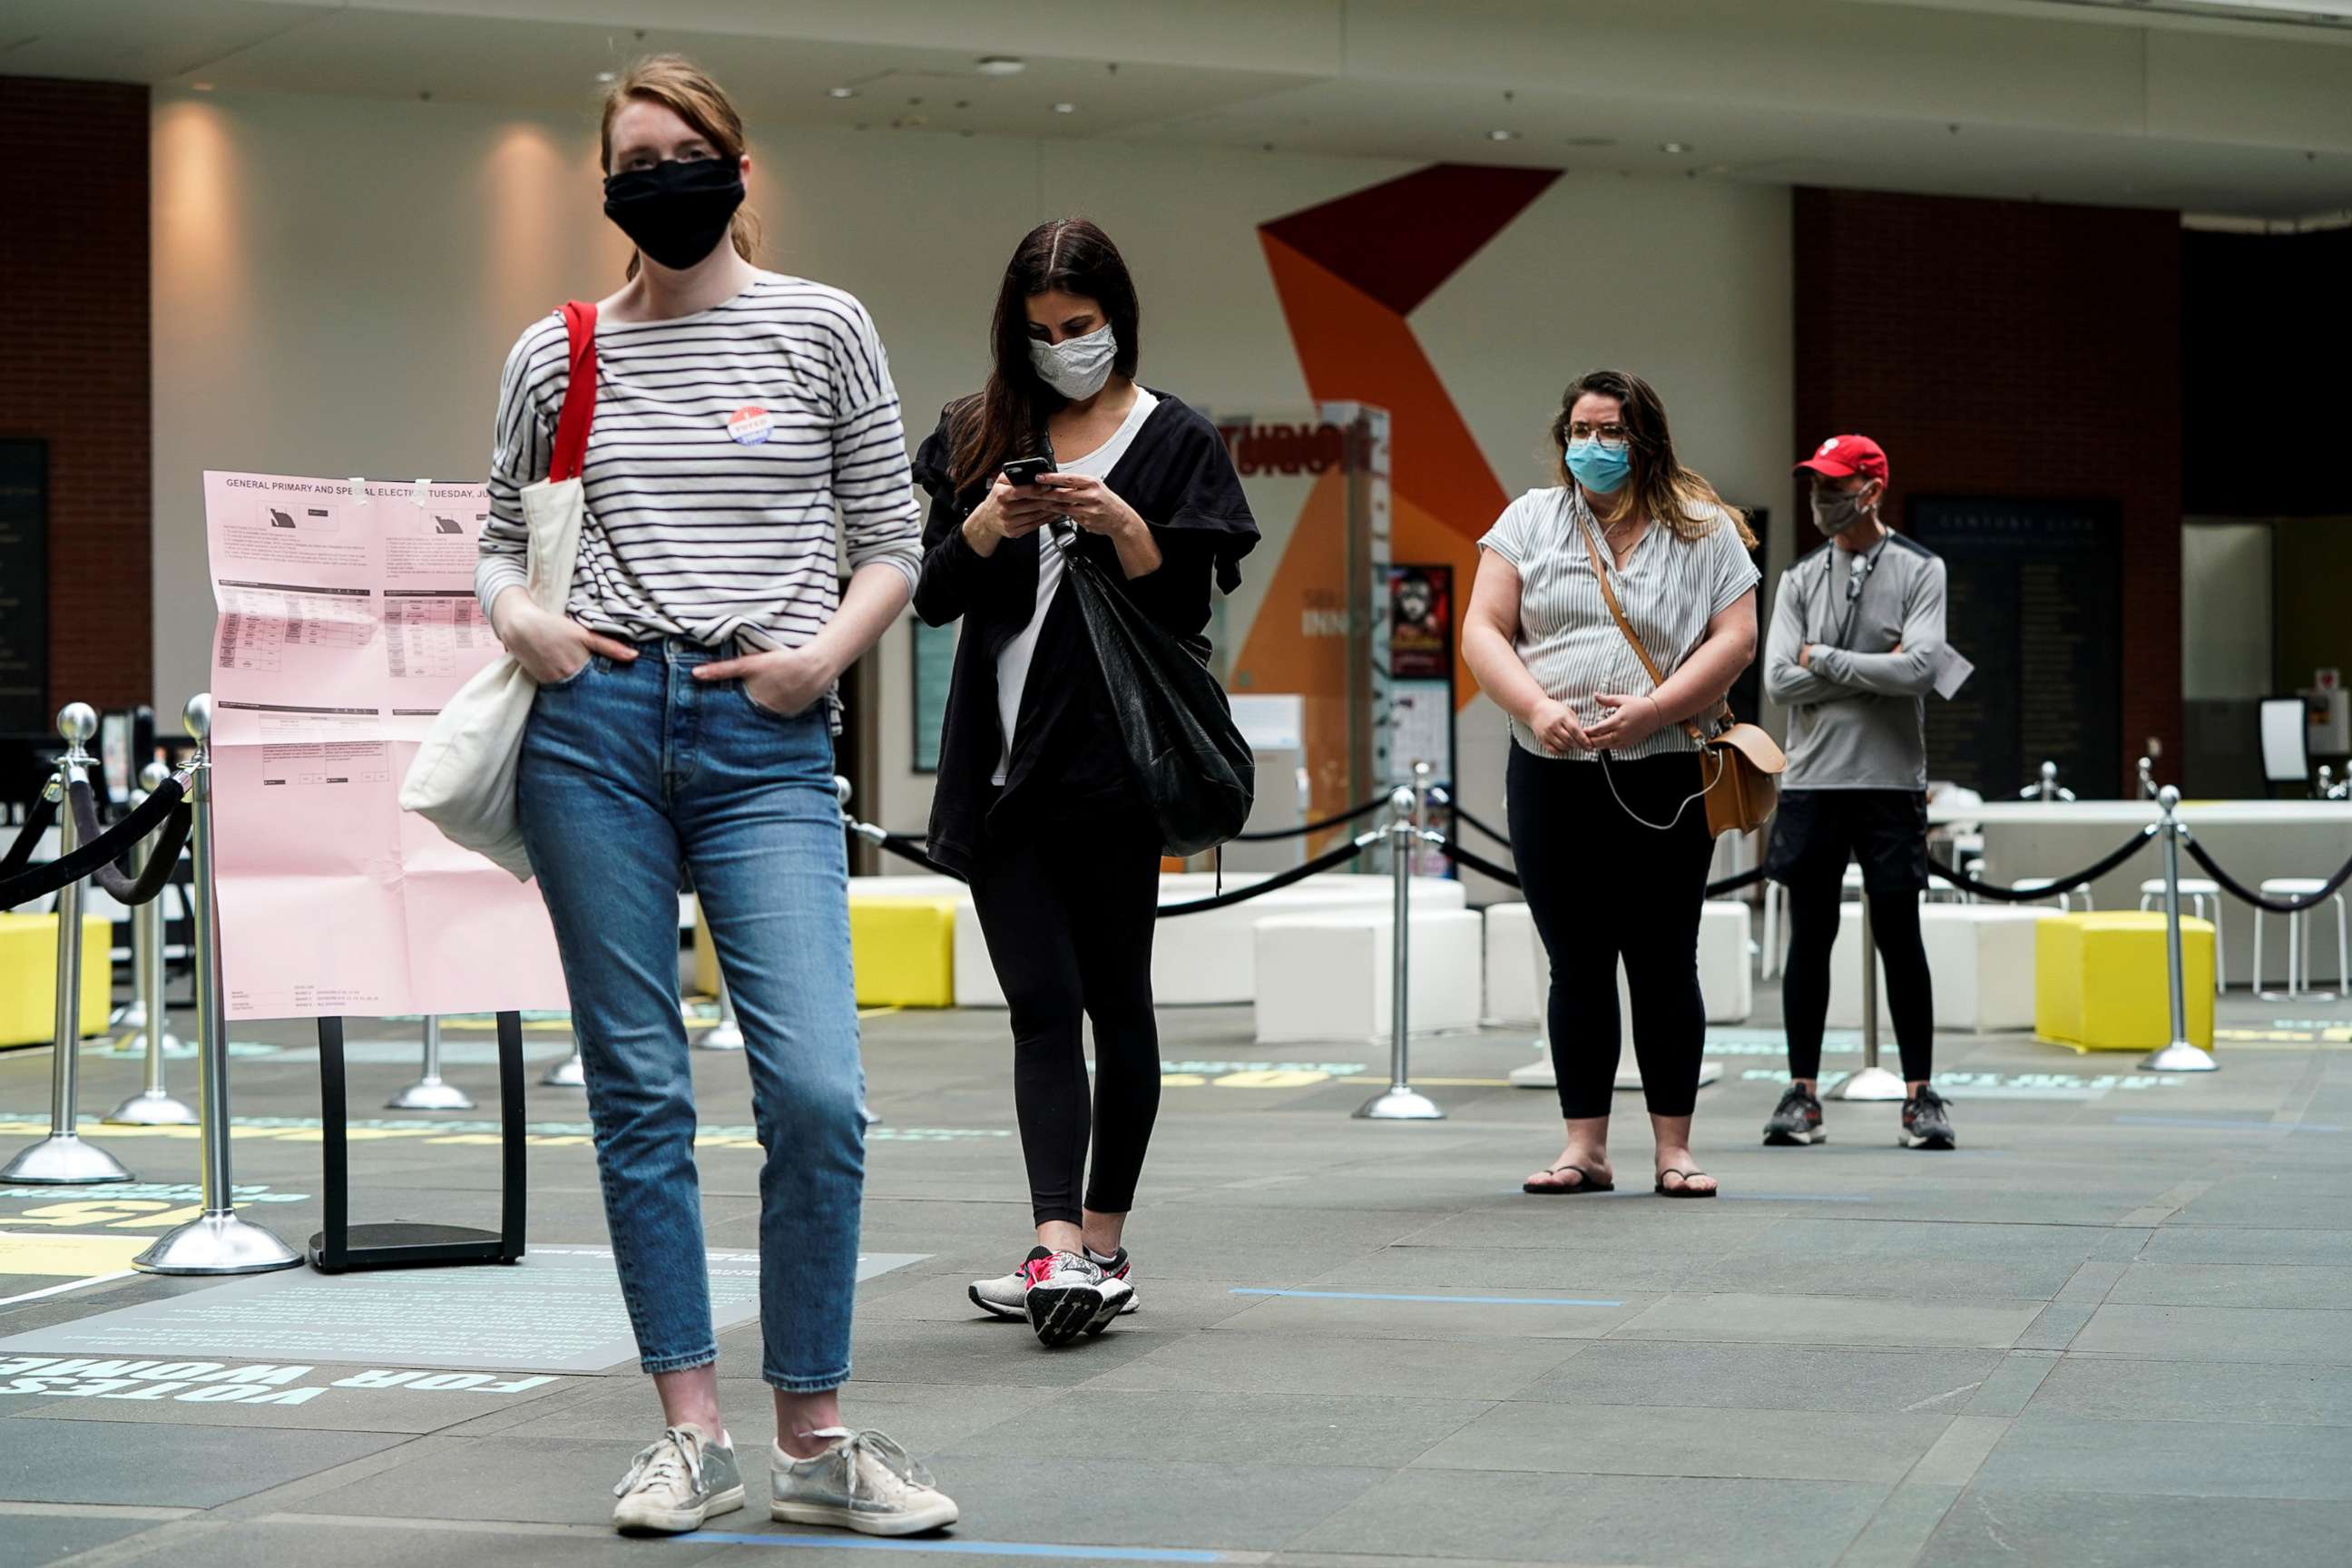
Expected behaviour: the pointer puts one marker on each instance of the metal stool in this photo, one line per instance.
(2298, 941)
(2063, 901)
(2195, 892)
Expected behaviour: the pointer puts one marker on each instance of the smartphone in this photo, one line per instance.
(1027, 470)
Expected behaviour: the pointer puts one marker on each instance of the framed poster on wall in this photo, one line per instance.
(933, 663)
(2034, 598)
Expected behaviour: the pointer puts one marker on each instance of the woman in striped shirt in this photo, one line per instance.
(683, 724)
(1606, 821)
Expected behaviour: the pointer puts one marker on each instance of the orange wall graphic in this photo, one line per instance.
(1349, 272)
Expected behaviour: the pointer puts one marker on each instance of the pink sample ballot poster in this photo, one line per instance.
(347, 619)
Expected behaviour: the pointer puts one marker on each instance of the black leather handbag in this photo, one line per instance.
(1196, 771)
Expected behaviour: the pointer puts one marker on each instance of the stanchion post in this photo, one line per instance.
(1401, 1101)
(2183, 1055)
(1874, 1081)
(218, 1241)
(431, 1092)
(62, 1159)
(153, 1105)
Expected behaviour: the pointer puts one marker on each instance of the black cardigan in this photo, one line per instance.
(1068, 757)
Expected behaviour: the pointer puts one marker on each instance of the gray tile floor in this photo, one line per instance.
(2114, 1327)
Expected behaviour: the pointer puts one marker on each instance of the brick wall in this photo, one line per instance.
(73, 366)
(2011, 349)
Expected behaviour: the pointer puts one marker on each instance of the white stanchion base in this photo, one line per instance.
(1399, 1105)
(1870, 1083)
(723, 1036)
(2181, 1055)
(151, 1108)
(130, 1017)
(63, 1160)
(435, 1093)
(217, 1244)
(1539, 1073)
(568, 1073)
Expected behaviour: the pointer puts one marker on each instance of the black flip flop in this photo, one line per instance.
(1685, 1190)
(1592, 1183)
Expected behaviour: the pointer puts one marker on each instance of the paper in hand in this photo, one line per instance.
(1952, 672)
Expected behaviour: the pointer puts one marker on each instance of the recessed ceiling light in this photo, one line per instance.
(1000, 65)
(1502, 135)
(1066, 108)
(1674, 146)
(608, 77)
(841, 92)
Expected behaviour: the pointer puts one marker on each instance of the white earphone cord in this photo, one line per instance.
(1667, 826)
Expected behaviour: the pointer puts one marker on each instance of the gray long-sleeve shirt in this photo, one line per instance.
(1857, 716)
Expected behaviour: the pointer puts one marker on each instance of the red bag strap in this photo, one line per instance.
(580, 392)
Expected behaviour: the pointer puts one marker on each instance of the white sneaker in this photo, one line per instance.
(1066, 1298)
(865, 1482)
(676, 1483)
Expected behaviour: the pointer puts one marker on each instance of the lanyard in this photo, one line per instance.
(1856, 583)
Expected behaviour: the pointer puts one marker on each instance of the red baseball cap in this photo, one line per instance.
(1842, 455)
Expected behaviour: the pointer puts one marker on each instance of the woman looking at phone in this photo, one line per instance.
(1037, 804)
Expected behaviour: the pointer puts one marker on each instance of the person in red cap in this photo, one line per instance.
(1856, 643)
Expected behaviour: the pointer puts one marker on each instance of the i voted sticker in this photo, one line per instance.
(750, 425)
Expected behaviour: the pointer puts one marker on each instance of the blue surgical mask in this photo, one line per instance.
(1598, 465)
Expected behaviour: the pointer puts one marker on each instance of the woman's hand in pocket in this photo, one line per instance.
(786, 681)
(550, 649)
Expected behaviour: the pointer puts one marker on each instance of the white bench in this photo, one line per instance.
(1203, 960)
(1515, 964)
(1327, 975)
(1980, 960)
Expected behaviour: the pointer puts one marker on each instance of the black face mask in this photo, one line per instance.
(677, 212)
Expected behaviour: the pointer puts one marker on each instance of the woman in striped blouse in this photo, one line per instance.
(1606, 821)
(683, 724)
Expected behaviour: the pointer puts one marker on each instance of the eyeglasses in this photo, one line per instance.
(1610, 435)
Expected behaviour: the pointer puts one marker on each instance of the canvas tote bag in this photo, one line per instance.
(463, 779)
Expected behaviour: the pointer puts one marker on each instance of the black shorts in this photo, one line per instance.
(1817, 831)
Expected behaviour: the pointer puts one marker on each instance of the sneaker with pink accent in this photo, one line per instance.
(1065, 1298)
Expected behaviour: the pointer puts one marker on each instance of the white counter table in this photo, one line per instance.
(2251, 839)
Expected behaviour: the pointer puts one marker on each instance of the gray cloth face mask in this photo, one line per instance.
(1835, 511)
(1077, 367)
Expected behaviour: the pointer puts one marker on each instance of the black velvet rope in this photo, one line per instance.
(162, 857)
(1736, 883)
(105, 848)
(908, 849)
(29, 836)
(2001, 895)
(1468, 820)
(1342, 820)
(2239, 890)
(1485, 868)
(1329, 861)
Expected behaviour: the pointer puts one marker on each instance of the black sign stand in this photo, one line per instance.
(343, 1246)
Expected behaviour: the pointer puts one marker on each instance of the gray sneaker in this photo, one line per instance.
(865, 1482)
(676, 1483)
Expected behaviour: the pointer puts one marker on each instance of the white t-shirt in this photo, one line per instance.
(1012, 663)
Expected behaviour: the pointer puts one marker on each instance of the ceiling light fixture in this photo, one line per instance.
(1066, 108)
(1000, 65)
(1502, 135)
(1674, 146)
(841, 92)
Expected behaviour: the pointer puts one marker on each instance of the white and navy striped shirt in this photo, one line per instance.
(1669, 591)
(722, 443)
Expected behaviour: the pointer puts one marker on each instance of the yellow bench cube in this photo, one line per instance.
(901, 945)
(2101, 981)
(29, 977)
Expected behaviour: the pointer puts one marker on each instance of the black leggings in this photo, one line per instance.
(1068, 916)
(1813, 916)
(1601, 887)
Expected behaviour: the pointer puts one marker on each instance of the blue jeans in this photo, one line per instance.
(629, 774)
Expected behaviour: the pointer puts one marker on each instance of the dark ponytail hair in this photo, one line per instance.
(1007, 417)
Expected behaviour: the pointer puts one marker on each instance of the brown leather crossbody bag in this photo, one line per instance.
(1739, 765)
